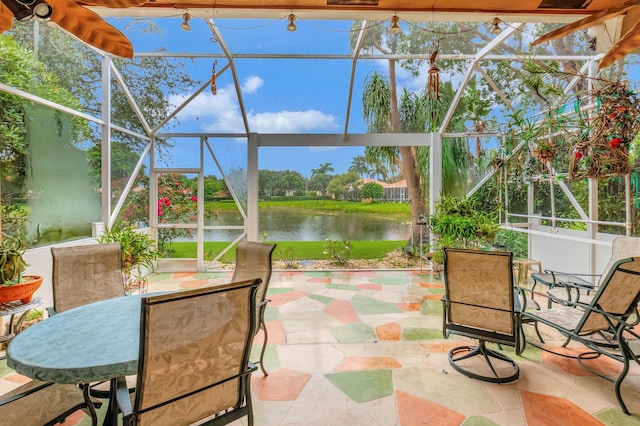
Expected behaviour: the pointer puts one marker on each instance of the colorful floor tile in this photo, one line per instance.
(365, 348)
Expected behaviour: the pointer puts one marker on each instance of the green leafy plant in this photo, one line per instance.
(139, 254)
(458, 223)
(340, 251)
(12, 264)
(512, 241)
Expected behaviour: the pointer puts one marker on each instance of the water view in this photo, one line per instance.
(287, 225)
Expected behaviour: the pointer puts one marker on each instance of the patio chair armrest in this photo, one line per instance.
(50, 311)
(525, 293)
(25, 393)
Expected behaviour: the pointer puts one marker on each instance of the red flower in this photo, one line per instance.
(578, 155)
(622, 109)
(615, 142)
(612, 115)
(194, 198)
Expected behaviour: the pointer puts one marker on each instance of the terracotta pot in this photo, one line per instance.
(23, 291)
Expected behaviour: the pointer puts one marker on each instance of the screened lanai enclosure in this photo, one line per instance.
(169, 133)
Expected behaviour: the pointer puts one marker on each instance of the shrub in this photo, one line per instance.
(340, 251)
(288, 256)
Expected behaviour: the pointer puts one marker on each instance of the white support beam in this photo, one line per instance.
(477, 57)
(200, 209)
(252, 187)
(234, 73)
(105, 172)
(187, 101)
(132, 101)
(332, 139)
(592, 227)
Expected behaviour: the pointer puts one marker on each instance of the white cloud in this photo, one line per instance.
(252, 84)
(292, 121)
(221, 113)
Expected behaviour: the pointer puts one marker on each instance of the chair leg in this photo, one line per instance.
(264, 348)
(618, 383)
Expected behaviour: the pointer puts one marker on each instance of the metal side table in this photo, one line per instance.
(20, 310)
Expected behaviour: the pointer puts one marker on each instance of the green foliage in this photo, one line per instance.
(19, 69)
(372, 190)
(457, 223)
(12, 264)
(340, 251)
(280, 183)
(513, 241)
(176, 204)
(340, 185)
(14, 219)
(139, 254)
(33, 315)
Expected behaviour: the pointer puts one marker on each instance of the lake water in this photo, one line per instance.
(311, 226)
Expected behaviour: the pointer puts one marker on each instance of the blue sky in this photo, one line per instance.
(280, 95)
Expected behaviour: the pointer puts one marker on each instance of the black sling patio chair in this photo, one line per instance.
(479, 303)
(254, 260)
(612, 310)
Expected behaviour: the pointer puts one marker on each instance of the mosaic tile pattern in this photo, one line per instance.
(366, 348)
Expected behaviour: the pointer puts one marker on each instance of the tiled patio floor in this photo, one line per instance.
(366, 348)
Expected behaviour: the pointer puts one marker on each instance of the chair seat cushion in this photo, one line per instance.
(40, 407)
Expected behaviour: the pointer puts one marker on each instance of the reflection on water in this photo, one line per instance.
(282, 225)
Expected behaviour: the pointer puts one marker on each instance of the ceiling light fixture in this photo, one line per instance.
(395, 28)
(25, 10)
(185, 24)
(42, 10)
(596, 30)
(495, 23)
(292, 26)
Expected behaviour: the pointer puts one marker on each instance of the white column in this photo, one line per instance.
(106, 141)
(252, 187)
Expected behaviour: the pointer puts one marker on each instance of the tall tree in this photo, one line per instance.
(322, 169)
(359, 165)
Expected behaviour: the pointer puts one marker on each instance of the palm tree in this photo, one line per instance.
(359, 165)
(323, 169)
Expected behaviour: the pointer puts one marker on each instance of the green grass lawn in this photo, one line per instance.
(302, 250)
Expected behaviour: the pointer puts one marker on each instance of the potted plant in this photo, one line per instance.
(139, 253)
(14, 285)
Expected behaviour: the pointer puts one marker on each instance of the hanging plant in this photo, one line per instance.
(545, 152)
(602, 150)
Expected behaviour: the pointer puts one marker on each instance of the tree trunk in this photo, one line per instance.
(417, 199)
